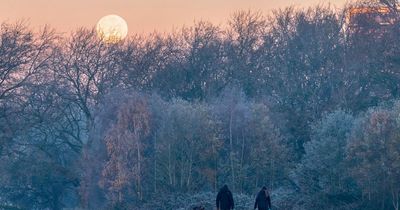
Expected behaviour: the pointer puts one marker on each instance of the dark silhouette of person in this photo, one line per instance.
(224, 199)
(263, 200)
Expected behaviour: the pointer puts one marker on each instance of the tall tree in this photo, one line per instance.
(322, 175)
(373, 154)
(124, 169)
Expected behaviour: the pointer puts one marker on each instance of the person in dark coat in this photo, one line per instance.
(225, 199)
(263, 200)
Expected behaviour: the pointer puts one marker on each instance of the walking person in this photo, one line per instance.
(263, 200)
(224, 199)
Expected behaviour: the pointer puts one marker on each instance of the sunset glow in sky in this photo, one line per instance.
(142, 16)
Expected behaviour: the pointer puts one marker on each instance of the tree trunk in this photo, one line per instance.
(395, 198)
(169, 164)
(241, 164)
(231, 149)
(139, 179)
(190, 170)
(155, 162)
(216, 174)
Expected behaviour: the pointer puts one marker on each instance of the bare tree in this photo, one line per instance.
(88, 68)
(23, 55)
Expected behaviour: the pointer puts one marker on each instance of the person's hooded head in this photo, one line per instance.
(264, 190)
(225, 188)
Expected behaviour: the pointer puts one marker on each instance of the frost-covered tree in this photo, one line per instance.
(114, 156)
(268, 160)
(322, 175)
(187, 147)
(232, 112)
(122, 173)
(374, 156)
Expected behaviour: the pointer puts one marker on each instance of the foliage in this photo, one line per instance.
(157, 120)
(374, 156)
(322, 175)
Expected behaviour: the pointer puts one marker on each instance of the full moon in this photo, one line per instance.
(112, 29)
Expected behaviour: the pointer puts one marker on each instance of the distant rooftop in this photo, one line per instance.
(382, 15)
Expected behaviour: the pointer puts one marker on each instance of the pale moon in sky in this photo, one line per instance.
(112, 28)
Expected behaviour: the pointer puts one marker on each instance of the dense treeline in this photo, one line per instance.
(299, 100)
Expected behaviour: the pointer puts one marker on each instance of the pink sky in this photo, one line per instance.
(141, 15)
